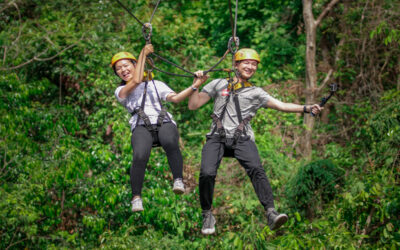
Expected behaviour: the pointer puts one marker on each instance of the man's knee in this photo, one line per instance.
(207, 174)
(256, 172)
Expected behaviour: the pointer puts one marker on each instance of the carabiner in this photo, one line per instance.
(147, 29)
(234, 41)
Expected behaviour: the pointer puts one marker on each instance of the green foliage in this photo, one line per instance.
(314, 185)
(63, 178)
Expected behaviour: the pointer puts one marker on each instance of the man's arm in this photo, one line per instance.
(291, 107)
(198, 99)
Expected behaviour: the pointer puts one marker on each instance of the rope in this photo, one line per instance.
(233, 23)
(167, 61)
(146, 27)
(123, 6)
(154, 11)
(171, 74)
(220, 60)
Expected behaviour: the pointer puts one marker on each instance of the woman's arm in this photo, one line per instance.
(138, 72)
(198, 99)
(192, 90)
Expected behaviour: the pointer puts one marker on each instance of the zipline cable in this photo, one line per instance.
(123, 6)
(234, 40)
(154, 11)
(167, 61)
(147, 29)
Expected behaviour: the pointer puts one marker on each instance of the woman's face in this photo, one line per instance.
(125, 69)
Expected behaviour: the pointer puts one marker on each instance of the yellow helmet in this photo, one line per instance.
(120, 56)
(246, 53)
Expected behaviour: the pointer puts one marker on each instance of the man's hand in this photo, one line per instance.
(315, 109)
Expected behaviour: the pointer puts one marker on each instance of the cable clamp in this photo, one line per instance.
(233, 44)
(147, 29)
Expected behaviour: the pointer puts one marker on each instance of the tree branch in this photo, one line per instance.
(325, 81)
(325, 11)
(38, 58)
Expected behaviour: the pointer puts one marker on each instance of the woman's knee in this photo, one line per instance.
(141, 155)
(169, 136)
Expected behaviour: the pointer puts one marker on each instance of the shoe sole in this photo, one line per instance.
(282, 218)
(178, 191)
(208, 231)
(137, 210)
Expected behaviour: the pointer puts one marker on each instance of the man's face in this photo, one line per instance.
(247, 68)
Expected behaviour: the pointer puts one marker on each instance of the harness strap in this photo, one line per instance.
(241, 128)
(163, 112)
(218, 120)
(242, 122)
(220, 129)
(140, 111)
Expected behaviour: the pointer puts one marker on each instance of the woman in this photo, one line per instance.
(150, 124)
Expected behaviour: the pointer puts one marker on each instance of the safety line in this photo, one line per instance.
(123, 6)
(212, 69)
(154, 11)
(167, 61)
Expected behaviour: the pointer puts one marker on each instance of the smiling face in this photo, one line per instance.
(246, 68)
(125, 69)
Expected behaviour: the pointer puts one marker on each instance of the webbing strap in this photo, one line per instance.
(218, 126)
(242, 122)
(217, 119)
(142, 115)
(140, 110)
(163, 112)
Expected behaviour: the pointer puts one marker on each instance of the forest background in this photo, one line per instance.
(65, 141)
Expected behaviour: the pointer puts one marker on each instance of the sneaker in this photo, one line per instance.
(275, 219)
(137, 205)
(179, 187)
(208, 222)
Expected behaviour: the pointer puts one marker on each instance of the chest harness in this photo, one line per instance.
(217, 121)
(139, 111)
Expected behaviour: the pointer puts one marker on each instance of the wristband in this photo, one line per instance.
(194, 88)
(305, 109)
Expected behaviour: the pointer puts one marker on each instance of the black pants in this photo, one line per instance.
(245, 151)
(142, 141)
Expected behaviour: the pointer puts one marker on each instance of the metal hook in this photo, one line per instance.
(147, 30)
(234, 41)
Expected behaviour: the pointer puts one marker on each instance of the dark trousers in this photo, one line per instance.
(142, 141)
(245, 151)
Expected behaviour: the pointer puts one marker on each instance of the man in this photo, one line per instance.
(235, 103)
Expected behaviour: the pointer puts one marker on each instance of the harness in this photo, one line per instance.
(139, 111)
(240, 129)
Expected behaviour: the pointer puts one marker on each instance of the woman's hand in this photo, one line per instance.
(148, 49)
(199, 79)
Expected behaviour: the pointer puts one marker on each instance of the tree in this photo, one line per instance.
(311, 25)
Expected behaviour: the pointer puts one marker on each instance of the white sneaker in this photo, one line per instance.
(137, 205)
(179, 187)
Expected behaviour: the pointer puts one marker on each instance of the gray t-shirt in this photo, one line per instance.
(152, 106)
(250, 100)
